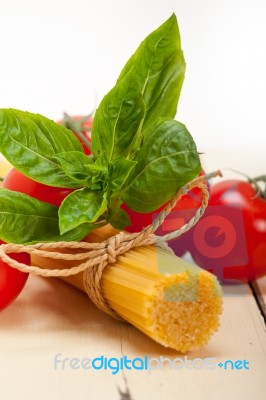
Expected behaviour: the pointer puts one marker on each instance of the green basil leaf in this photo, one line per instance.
(118, 119)
(84, 206)
(160, 67)
(24, 219)
(82, 168)
(30, 142)
(100, 161)
(122, 169)
(119, 218)
(167, 160)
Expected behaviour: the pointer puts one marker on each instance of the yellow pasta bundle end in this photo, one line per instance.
(173, 302)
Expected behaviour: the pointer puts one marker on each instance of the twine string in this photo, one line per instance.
(94, 257)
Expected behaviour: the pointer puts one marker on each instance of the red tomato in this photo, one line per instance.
(183, 211)
(80, 125)
(15, 180)
(230, 238)
(12, 281)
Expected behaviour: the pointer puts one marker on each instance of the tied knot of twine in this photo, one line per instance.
(112, 244)
(94, 257)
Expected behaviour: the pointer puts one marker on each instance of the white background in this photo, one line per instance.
(64, 55)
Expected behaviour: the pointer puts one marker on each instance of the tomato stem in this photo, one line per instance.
(77, 127)
(259, 179)
(1, 178)
(254, 182)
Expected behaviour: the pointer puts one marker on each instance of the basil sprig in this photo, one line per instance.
(167, 160)
(24, 219)
(140, 155)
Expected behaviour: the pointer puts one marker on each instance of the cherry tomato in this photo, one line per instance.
(230, 238)
(183, 211)
(15, 180)
(81, 126)
(12, 281)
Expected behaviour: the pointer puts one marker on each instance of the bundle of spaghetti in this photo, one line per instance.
(172, 301)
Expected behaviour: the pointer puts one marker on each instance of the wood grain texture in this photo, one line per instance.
(259, 291)
(51, 317)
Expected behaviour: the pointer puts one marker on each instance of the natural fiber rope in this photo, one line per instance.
(95, 257)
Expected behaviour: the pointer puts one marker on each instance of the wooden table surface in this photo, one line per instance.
(51, 318)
